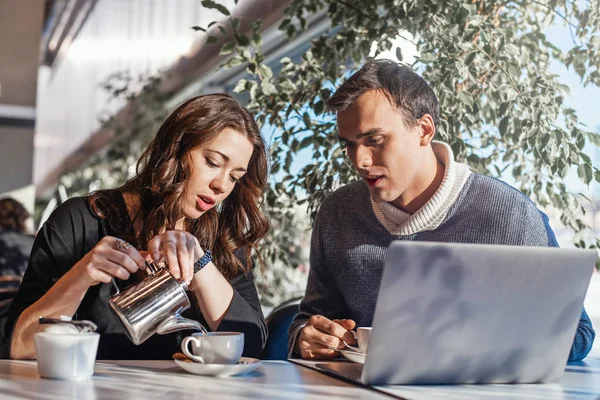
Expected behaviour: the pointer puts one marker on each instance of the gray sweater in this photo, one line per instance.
(349, 245)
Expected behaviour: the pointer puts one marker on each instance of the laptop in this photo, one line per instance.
(451, 313)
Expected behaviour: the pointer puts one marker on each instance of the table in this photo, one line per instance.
(164, 380)
(580, 381)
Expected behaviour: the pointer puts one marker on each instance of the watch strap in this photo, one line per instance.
(203, 261)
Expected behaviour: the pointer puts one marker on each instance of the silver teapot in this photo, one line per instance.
(153, 305)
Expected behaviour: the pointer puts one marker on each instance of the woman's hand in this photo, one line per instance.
(180, 249)
(111, 257)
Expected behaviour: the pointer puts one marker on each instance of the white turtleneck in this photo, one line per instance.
(431, 215)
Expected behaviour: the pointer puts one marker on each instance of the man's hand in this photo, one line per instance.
(322, 338)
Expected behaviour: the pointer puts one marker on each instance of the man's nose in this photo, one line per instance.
(363, 157)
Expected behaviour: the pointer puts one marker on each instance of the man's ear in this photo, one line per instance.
(426, 128)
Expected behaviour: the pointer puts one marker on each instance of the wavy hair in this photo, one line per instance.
(13, 215)
(164, 167)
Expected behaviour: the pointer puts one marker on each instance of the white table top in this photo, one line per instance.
(273, 380)
(165, 380)
(580, 381)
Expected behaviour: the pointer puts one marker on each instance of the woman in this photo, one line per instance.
(197, 188)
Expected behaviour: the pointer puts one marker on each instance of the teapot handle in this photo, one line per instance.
(117, 291)
(151, 269)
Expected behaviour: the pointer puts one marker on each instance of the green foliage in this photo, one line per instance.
(285, 252)
(502, 110)
(489, 63)
(113, 165)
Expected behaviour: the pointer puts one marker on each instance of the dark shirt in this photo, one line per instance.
(15, 247)
(71, 232)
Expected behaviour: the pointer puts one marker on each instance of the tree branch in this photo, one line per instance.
(499, 66)
(571, 25)
(358, 11)
(556, 12)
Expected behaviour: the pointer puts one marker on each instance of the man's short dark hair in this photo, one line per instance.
(404, 88)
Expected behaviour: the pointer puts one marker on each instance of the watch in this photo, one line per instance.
(202, 261)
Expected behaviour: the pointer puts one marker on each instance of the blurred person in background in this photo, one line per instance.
(15, 242)
(193, 203)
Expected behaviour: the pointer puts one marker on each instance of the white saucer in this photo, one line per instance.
(354, 356)
(243, 366)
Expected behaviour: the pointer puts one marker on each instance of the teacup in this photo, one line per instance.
(214, 347)
(66, 356)
(362, 336)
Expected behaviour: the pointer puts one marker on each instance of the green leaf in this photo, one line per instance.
(234, 61)
(215, 6)
(516, 172)
(284, 24)
(585, 158)
(256, 26)
(585, 173)
(465, 98)
(240, 86)
(319, 107)
(227, 48)
(268, 88)
(580, 141)
(470, 58)
(266, 71)
(290, 30)
(503, 126)
(242, 40)
(427, 58)
(473, 159)
(579, 66)
(399, 53)
(257, 40)
(275, 167)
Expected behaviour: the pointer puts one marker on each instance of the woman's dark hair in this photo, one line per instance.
(403, 87)
(164, 167)
(13, 215)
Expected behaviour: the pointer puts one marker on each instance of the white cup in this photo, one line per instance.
(66, 356)
(362, 336)
(214, 348)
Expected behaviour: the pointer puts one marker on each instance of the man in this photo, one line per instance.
(411, 189)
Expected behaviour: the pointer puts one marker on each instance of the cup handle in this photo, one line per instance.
(184, 348)
(355, 348)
